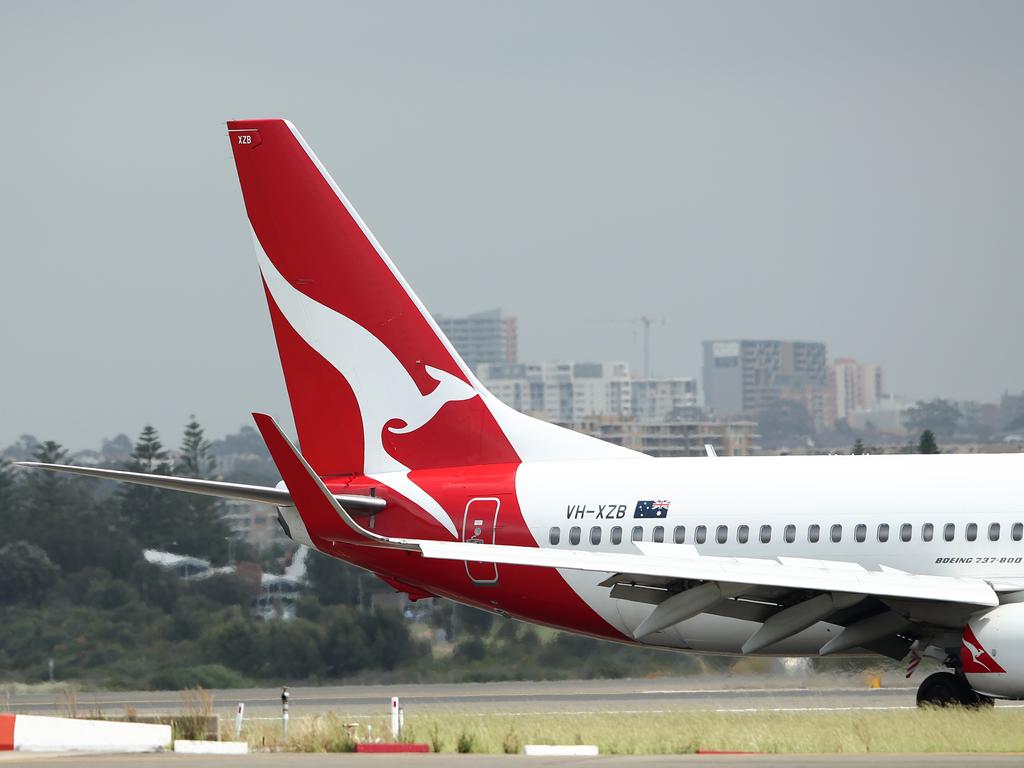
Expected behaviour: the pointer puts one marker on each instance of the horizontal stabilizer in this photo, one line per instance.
(320, 510)
(279, 497)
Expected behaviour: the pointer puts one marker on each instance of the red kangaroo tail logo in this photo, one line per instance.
(973, 655)
(374, 385)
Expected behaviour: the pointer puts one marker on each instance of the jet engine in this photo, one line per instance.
(992, 651)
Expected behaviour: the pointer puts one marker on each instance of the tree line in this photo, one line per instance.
(75, 588)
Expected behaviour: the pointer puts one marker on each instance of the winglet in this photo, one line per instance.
(321, 513)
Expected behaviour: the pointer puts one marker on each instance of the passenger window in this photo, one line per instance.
(659, 534)
(574, 535)
(927, 531)
(789, 533)
(595, 535)
(1017, 532)
(722, 534)
(860, 532)
(742, 533)
(555, 535)
(993, 532)
(813, 533)
(700, 535)
(949, 532)
(617, 534)
(836, 534)
(638, 533)
(766, 534)
(883, 532)
(679, 534)
(906, 531)
(971, 533)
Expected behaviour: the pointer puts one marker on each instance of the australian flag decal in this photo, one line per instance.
(651, 509)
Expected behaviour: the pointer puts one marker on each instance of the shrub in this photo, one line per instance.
(466, 743)
(512, 744)
(200, 676)
(436, 740)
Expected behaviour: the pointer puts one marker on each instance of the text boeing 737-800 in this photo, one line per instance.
(411, 469)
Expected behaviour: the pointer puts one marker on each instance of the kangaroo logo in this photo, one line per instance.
(973, 656)
(387, 395)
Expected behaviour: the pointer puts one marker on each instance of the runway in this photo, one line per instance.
(798, 694)
(561, 697)
(513, 761)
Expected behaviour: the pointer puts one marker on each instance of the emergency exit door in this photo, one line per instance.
(479, 526)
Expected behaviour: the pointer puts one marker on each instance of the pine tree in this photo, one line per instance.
(149, 454)
(195, 459)
(60, 514)
(200, 519)
(54, 510)
(858, 447)
(148, 512)
(927, 443)
(11, 519)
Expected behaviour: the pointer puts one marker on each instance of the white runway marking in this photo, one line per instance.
(690, 711)
(860, 689)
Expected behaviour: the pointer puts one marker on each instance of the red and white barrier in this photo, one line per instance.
(31, 733)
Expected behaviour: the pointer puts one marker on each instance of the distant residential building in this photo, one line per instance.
(561, 391)
(254, 523)
(745, 376)
(977, 420)
(855, 386)
(1011, 413)
(182, 566)
(886, 417)
(279, 593)
(674, 438)
(483, 337)
(663, 399)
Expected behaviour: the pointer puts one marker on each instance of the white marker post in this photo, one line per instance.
(239, 714)
(284, 713)
(396, 721)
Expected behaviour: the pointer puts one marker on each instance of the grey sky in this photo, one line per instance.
(846, 172)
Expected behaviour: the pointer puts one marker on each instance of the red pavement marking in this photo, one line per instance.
(390, 748)
(7, 732)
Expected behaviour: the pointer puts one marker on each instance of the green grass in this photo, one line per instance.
(850, 732)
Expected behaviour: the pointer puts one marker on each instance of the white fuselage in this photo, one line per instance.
(950, 515)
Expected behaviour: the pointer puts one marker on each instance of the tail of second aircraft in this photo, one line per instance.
(374, 385)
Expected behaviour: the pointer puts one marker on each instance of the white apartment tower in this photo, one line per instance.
(857, 386)
(561, 392)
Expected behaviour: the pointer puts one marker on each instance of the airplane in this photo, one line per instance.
(411, 469)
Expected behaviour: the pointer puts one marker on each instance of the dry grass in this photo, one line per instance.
(852, 732)
(196, 709)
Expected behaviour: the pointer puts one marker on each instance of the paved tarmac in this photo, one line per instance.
(513, 761)
(565, 697)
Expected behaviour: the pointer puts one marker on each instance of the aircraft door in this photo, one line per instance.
(479, 526)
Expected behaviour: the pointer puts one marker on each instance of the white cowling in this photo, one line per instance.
(992, 651)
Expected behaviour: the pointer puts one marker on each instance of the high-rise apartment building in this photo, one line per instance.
(685, 437)
(856, 386)
(745, 376)
(663, 399)
(561, 391)
(483, 337)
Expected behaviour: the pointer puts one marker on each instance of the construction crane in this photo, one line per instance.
(644, 323)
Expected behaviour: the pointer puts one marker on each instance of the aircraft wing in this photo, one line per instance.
(787, 595)
(279, 497)
(662, 562)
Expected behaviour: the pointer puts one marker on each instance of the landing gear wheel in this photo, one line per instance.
(944, 689)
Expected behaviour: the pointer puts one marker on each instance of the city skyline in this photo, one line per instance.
(506, 345)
